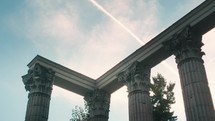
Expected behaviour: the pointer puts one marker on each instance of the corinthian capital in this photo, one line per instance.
(185, 44)
(136, 77)
(98, 103)
(39, 79)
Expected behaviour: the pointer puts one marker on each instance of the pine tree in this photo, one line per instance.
(162, 97)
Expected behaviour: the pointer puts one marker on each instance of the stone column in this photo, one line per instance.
(186, 46)
(137, 80)
(38, 82)
(98, 103)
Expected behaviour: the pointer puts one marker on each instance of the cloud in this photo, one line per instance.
(105, 46)
(110, 41)
(54, 27)
(59, 28)
(47, 23)
(134, 15)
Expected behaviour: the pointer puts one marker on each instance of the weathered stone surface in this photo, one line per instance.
(137, 80)
(38, 82)
(136, 77)
(186, 46)
(98, 103)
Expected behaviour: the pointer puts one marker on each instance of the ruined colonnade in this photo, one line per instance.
(183, 40)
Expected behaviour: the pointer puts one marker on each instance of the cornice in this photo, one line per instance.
(65, 77)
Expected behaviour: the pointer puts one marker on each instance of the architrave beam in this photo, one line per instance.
(66, 78)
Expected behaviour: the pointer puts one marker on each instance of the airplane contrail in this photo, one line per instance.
(117, 21)
(128, 30)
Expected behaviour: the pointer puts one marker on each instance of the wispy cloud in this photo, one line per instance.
(46, 22)
(59, 28)
(117, 21)
(134, 15)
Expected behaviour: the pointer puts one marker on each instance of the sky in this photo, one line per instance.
(89, 37)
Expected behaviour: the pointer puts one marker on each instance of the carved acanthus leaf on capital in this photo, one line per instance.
(98, 102)
(186, 43)
(136, 77)
(39, 79)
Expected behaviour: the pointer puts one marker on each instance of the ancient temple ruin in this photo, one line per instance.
(183, 39)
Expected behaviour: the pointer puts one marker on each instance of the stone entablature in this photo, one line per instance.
(66, 78)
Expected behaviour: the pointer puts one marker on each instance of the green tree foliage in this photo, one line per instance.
(80, 114)
(162, 97)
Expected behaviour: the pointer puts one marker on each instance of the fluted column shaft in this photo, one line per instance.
(98, 103)
(38, 82)
(38, 107)
(137, 80)
(186, 46)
